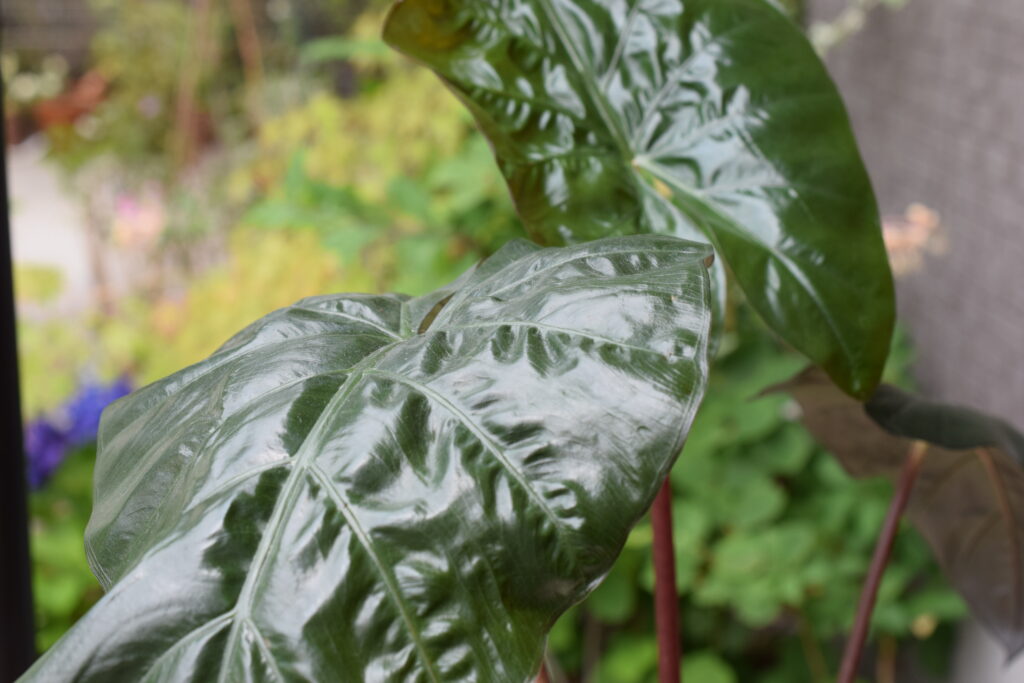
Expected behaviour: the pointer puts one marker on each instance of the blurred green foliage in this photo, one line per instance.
(412, 195)
(389, 187)
(37, 284)
(64, 587)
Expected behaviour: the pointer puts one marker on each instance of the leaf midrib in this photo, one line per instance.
(304, 464)
(628, 145)
(285, 502)
(595, 85)
(662, 173)
(588, 78)
(390, 585)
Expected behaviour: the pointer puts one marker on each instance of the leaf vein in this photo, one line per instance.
(555, 328)
(620, 47)
(483, 436)
(652, 104)
(780, 257)
(186, 638)
(261, 645)
(348, 316)
(387, 579)
(604, 108)
(284, 504)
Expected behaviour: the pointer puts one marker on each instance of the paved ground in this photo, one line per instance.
(47, 225)
(981, 660)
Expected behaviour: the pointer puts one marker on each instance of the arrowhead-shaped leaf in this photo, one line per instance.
(968, 500)
(381, 488)
(703, 117)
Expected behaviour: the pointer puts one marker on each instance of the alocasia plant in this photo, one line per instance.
(382, 488)
(367, 487)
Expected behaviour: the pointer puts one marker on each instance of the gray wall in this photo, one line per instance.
(936, 93)
(47, 26)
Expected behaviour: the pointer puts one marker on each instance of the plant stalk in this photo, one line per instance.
(250, 47)
(883, 549)
(186, 128)
(666, 596)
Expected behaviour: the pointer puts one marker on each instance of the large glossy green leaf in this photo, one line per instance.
(380, 488)
(968, 500)
(703, 117)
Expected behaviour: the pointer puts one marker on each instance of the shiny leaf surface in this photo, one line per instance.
(335, 495)
(968, 500)
(700, 118)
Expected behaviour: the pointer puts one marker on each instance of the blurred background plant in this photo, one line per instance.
(230, 158)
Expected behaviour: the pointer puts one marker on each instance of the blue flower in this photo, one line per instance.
(84, 410)
(48, 442)
(46, 446)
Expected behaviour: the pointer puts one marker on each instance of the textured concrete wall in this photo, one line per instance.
(936, 93)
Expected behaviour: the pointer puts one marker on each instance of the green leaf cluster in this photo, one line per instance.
(382, 185)
(66, 588)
